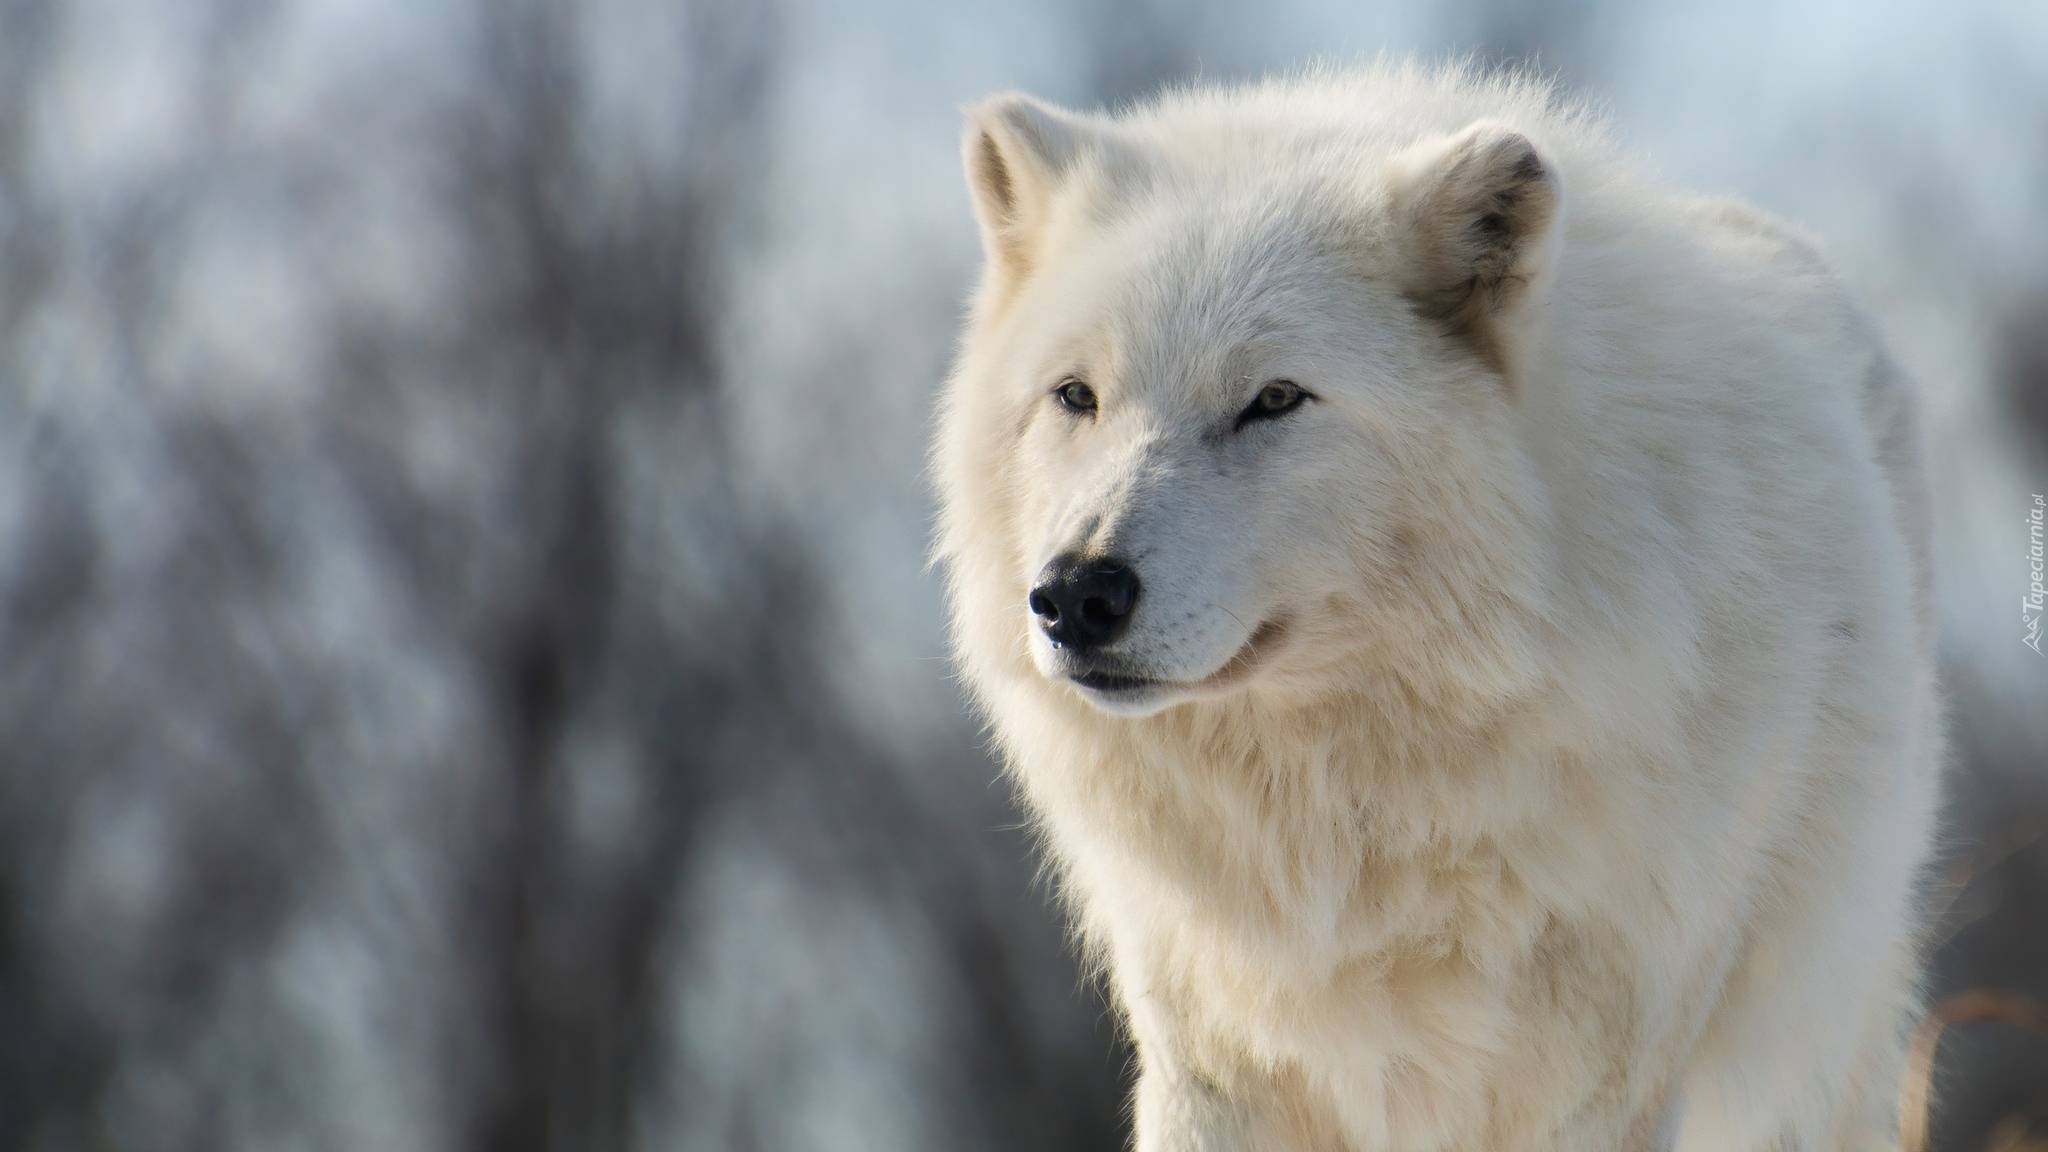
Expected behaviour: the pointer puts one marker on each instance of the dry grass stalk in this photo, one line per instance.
(1978, 1006)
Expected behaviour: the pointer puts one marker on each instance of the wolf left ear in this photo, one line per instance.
(1482, 212)
(1016, 151)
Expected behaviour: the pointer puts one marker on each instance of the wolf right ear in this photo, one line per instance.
(1482, 213)
(1016, 150)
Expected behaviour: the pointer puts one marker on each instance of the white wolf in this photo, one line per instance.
(1459, 613)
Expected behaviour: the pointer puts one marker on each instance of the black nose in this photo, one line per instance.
(1084, 603)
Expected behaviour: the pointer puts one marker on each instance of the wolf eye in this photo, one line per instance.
(1076, 397)
(1277, 398)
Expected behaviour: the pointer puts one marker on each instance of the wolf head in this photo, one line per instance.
(1236, 404)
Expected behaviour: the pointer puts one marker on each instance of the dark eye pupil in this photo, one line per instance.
(1077, 396)
(1276, 399)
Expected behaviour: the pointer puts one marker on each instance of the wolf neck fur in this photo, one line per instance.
(1225, 810)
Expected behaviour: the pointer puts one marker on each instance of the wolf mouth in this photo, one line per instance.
(1113, 681)
(1239, 667)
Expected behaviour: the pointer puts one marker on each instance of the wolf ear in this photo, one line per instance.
(1482, 212)
(1016, 150)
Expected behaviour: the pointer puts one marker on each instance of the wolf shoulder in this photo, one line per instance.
(1813, 298)
(1719, 324)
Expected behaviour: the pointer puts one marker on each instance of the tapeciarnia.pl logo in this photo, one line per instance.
(2031, 603)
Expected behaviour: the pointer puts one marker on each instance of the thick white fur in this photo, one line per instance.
(1577, 794)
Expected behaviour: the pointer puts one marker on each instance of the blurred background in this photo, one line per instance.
(468, 675)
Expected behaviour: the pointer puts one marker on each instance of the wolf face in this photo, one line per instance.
(1213, 390)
